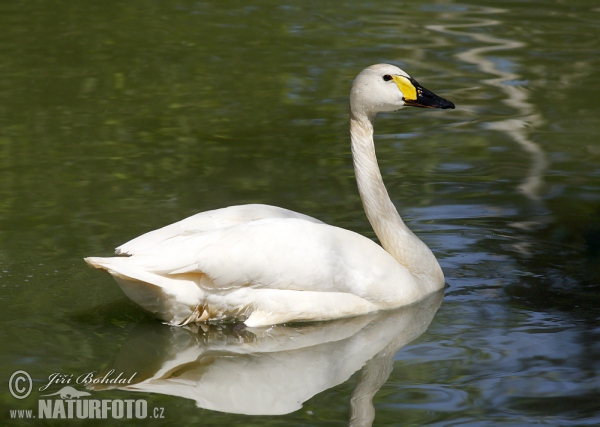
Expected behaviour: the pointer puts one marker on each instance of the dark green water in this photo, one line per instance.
(120, 117)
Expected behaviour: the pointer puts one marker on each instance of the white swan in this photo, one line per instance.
(266, 265)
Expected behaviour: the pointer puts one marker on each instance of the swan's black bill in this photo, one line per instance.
(427, 99)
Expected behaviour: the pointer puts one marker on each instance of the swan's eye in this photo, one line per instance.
(387, 77)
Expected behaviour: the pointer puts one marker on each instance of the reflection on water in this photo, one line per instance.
(526, 117)
(543, 234)
(271, 371)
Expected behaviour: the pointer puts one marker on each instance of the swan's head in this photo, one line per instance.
(383, 87)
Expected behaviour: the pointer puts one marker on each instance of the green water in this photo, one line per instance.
(120, 117)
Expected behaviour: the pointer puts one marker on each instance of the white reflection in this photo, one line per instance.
(271, 371)
(527, 117)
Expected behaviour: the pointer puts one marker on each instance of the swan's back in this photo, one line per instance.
(207, 221)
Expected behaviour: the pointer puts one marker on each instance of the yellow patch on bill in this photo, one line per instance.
(406, 87)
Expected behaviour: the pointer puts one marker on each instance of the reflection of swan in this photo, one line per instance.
(267, 265)
(270, 371)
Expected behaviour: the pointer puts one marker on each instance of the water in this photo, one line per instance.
(120, 118)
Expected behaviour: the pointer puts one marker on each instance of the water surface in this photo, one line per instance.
(118, 118)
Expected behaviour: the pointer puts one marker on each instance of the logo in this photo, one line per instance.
(68, 392)
(70, 403)
(20, 384)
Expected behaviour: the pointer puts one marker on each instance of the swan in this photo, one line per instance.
(265, 265)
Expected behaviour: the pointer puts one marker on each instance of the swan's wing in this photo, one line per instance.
(207, 221)
(275, 253)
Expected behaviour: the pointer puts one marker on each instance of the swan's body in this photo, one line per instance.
(267, 265)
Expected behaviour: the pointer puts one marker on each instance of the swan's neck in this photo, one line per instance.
(395, 237)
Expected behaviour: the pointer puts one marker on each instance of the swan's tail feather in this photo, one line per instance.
(171, 299)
